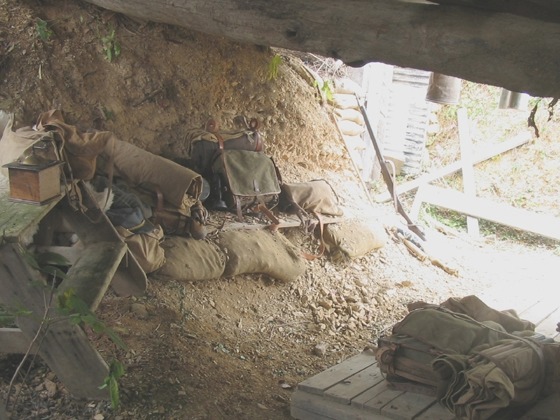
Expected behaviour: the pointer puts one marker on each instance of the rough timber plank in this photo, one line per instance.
(407, 406)
(541, 224)
(324, 380)
(489, 153)
(436, 412)
(305, 406)
(544, 314)
(546, 409)
(20, 220)
(92, 273)
(12, 340)
(65, 347)
(94, 226)
(377, 397)
(345, 391)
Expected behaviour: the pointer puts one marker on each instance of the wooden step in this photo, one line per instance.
(92, 273)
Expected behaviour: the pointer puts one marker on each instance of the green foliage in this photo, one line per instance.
(111, 46)
(116, 371)
(327, 89)
(448, 217)
(273, 66)
(79, 313)
(43, 31)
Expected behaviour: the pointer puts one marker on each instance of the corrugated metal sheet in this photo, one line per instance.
(407, 114)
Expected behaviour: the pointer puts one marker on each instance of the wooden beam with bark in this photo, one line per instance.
(517, 52)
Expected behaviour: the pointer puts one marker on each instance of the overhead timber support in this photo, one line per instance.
(515, 49)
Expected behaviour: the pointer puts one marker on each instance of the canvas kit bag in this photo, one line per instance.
(315, 196)
(474, 368)
(146, 247)
(201, 146)
(247, 180)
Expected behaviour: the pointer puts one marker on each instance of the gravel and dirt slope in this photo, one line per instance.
(233, 348)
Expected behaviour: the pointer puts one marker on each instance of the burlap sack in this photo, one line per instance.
(260, 251)
(189, 259)
(353, 238)
(142, 168)
(350, 128)
(350, 115)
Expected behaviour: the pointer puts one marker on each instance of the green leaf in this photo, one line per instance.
(43, 31)
(114, 392)
(113, 336)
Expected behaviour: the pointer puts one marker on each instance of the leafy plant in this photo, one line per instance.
(43, 31)
(111, 47)
(79, 313)
(327, 89)
(273, 66)
(116, 370)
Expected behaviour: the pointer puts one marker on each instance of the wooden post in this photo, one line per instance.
(469, 186)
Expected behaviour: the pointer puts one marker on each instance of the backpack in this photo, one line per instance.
(242, 180)
(202, 146)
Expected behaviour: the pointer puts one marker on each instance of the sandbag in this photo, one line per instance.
(353, 238)
(141, 168)
(261, 251)
(350, 128)
(345, 101)
(348, 86)
(350, 115)
(188, 259)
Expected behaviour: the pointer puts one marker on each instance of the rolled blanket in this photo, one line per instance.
(143, 169)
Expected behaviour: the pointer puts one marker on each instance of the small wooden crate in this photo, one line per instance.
(34, 184)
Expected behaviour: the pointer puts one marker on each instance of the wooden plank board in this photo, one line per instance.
(324, 380)
(18, 221)
(546, 409)
(436, 412)
(12, 340)
(407, 406)
(540, 224)
(377, 397)
(355, 385)
(545, 314)
(492, 151)
(305, 406)
(94, 226)
(92, 273)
